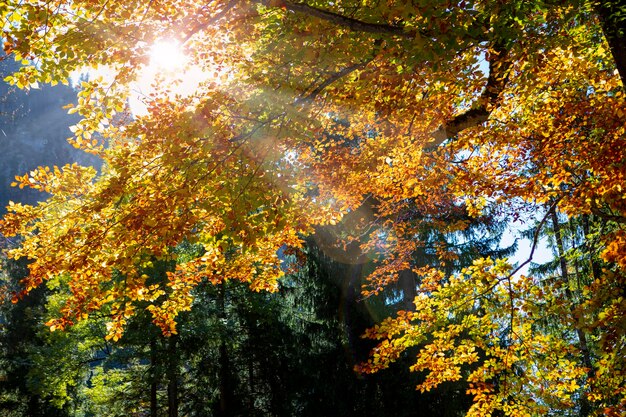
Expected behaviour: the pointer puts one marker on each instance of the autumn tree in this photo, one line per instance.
(410, 112)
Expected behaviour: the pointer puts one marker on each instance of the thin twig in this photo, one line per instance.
(210, 22)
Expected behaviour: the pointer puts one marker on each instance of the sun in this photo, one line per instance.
(167, 55)
(169, 71)
(173, 69)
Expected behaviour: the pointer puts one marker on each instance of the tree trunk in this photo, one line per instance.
(33, 406)
(224, 360)
(251, 381)
(589, 248)
(154, 378)
(613, 19)
(585, 408)
(172, 376)
(408, 285)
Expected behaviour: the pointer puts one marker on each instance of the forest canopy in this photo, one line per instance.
(401, 134)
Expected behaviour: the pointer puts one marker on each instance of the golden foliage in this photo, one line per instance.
(329, 107)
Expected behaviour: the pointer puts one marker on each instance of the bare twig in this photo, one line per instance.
(535, 239)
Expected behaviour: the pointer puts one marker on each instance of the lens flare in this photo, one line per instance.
(167, 55)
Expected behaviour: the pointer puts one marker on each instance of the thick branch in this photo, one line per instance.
(348, 22)
(597, 211)
(499, 65)
(470, 118)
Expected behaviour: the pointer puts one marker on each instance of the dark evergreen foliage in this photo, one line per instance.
(33, 132)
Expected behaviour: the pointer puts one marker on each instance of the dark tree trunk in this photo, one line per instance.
(154, 377)
(224, 385)
(33, 407)
(589, 248)
(613, 18)
(349, 310)
(224, 360)
(585, 407)
(172, 377)
(408, 285)
(251, 381)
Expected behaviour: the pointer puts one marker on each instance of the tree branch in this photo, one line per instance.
(499, 65)
(333, 77)
(340, 20)
(597, 211)
(536, 236)
(213, 20)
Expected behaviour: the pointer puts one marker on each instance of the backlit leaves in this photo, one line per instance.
(416, 119)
